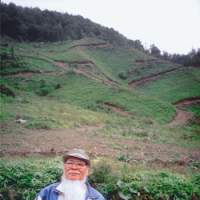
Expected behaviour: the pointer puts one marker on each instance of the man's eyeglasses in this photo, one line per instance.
(77, 164)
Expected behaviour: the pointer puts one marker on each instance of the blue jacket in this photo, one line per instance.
(51, 193)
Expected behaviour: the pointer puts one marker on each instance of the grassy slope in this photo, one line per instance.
(79, 101)
(174, 86)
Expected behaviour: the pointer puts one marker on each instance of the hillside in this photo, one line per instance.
(121, 104)
(92, 76)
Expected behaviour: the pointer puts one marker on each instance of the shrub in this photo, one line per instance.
(103, 179)
(157, 186)
(21, 180)
(123, 75)
(44, 88)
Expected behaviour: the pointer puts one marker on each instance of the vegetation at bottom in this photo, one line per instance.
(22, 179)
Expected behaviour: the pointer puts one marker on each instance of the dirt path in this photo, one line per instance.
(117, 109)
(95, 45)
(61, 64)
(187, 101)
(182, 117)
(56, 141)
(152, 77)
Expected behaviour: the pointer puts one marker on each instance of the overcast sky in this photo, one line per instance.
(172, 25)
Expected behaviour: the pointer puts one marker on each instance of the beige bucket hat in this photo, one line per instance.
(77, 153)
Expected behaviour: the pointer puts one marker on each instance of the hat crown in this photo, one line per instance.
(77, 153)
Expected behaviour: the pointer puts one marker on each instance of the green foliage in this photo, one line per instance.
(37, 26)
(195, 109)
(174, 86)
(44, 88)
(122, 75)
(24, 178)
(10, 62)
(123, 158)
(103, 179)
(161, 185)
(39, 124)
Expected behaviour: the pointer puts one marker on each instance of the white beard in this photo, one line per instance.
(74, 190)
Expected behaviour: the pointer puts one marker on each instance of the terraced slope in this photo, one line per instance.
(90, 82)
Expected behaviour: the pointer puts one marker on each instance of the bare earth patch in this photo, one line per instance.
(117, 109)
(182, 117)
(53, 142)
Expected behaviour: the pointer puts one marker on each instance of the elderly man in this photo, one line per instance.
(73, 185)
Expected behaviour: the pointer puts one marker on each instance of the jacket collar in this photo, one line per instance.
(60, 188)
(90, 194)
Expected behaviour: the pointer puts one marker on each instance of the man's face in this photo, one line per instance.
(75, 169)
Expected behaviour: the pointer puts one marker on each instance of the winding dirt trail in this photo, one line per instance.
(183, 117)
(152, 77)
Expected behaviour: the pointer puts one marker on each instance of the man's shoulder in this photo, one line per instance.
(94, 194)
(49, 190)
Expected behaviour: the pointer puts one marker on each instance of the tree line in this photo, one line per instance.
(35, 25)
(190, 59)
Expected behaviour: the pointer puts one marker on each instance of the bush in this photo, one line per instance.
(44, 88)
(123, 75)
(23, 179)
(157, 186)
(103, 179)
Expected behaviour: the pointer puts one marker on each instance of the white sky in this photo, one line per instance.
(172, 25)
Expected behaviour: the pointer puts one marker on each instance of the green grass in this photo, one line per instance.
(114, 61)
(88, 94)
(195, 109)
(45, 113)
(40, 64)
(174, 86)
